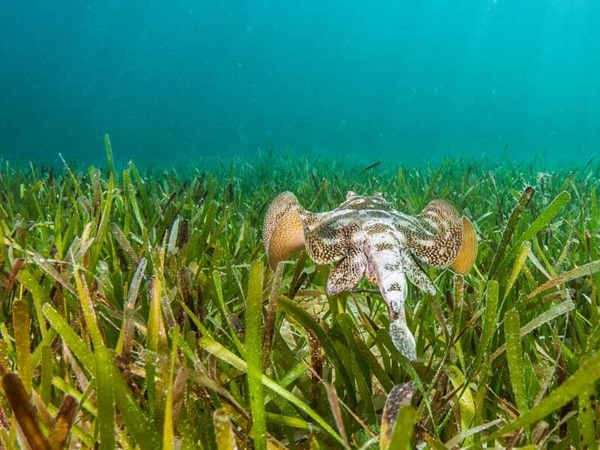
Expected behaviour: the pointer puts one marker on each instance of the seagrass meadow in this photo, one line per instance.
(138, 311)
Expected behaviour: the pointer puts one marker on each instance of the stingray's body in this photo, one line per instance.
(366, 236)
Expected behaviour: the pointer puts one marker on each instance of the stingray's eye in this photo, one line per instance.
(350, 194)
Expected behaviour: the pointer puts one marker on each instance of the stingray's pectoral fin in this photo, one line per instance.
(452, 243)
(468, 248)
(283, 231)
(287, 239)
(347, 273)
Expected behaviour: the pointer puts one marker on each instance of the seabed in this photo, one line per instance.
(137, 310)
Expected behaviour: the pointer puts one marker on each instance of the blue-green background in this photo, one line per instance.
(407, 81)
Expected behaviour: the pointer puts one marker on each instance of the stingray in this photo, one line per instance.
(366, 236)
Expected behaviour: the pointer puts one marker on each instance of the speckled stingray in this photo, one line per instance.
(365, 236)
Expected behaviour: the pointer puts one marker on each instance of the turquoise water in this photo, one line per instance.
(178, 82)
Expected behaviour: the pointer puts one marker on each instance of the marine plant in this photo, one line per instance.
(137, 311)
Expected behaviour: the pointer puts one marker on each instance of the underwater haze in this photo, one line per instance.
(185, 81)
